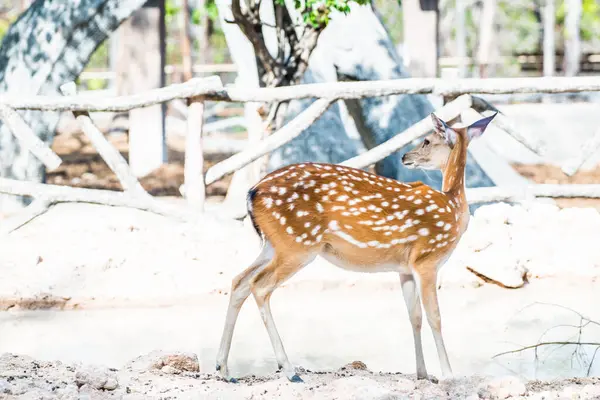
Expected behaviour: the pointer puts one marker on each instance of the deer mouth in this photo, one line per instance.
(408, 164)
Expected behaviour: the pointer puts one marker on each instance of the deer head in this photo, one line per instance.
(434, 151)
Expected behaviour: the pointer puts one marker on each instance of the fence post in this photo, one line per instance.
(193, 173)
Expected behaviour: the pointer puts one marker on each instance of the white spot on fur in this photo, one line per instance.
(268, 202)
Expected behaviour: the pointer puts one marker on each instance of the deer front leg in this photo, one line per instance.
(262, 286)
(432, 310)
(413, 304)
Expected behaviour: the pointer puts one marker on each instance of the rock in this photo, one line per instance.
(4, 386)
(502, 388)
(356, 365)
(68, 392)
(157, 360)
(97, 378)
(167, 369)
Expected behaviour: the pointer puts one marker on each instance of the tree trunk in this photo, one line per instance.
(203, 32)
(185, 42)
(243, 57)
(572, 39)
(486, 36)
(141, 67)
(549, 21)
(48, 45)
(461, 37)
(420, 19)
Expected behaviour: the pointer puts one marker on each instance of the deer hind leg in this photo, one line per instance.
(263, 284)
(240, 290)
(413, 304)
(432, 310)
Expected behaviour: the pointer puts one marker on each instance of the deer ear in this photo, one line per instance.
(477, 128)
(442, 129)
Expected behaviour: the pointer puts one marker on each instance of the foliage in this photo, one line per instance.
(317, 12)
(4, 25)
(171, 11)
(524, 31)
(590, 18)
(210, 10)
(391, 15)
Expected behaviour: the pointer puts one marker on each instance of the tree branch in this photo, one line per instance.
(251, 26)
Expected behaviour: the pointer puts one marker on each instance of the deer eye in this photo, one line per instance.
(426, 142)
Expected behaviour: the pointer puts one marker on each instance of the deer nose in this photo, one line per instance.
(404, 157)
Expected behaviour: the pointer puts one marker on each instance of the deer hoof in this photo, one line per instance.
(296, 379)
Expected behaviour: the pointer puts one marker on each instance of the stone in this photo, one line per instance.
(502, 388)
(157, 360)
(4, 386)
(356, 365)
(167, 369)
(96, 378)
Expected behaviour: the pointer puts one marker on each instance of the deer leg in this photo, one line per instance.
(413, 304)
(262, 285)
(240, 290)
(432, 310)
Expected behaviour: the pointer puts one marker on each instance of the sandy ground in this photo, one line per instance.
(91, 285)
(176, 376)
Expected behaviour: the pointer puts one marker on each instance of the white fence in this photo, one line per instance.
(458, 94)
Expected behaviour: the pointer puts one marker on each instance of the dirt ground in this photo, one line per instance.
(177, 376)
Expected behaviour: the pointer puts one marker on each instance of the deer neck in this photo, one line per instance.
(453, 184)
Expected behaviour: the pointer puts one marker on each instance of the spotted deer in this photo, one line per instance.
(361, 222)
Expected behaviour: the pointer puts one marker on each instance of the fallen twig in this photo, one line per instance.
(578, 343)
(534, 346)
(28, 214)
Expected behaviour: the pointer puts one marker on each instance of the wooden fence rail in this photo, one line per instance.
(211, 88)
(196, 91)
